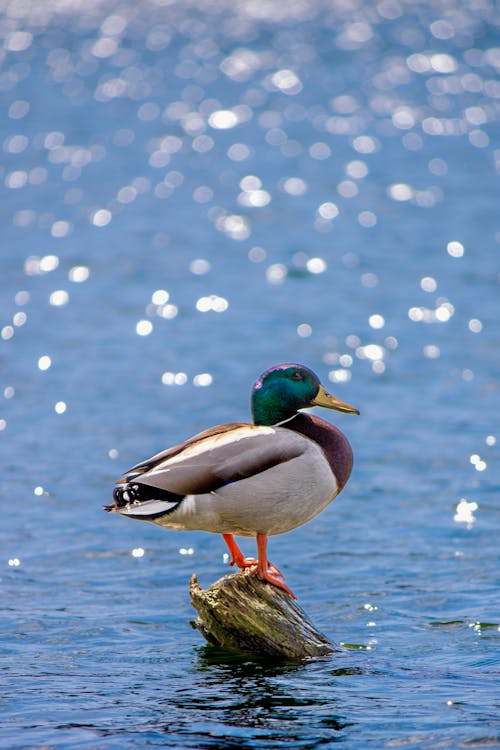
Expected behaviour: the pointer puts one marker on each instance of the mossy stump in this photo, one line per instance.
(242, 613)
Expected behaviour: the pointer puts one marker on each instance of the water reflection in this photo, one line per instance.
(256, 699)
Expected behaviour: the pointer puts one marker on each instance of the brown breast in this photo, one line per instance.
(333, 442)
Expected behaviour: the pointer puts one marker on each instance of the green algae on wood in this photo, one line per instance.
(244, 614)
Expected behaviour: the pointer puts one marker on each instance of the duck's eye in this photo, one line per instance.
(297, 375)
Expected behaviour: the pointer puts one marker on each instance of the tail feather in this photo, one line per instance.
(142, 501)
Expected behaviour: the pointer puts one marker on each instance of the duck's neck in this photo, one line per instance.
(267, 409)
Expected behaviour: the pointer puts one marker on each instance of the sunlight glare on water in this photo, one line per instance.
(191, 193)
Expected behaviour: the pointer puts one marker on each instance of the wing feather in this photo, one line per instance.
(217, 458)
(175, 450)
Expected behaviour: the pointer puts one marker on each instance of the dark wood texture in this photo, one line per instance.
(242, 613)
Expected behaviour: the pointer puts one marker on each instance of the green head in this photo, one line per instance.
(282, 390)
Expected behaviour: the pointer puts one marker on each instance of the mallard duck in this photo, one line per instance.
(250, 479)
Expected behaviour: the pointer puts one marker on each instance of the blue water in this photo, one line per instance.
(190, 195)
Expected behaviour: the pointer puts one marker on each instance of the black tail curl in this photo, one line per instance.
(128, 493)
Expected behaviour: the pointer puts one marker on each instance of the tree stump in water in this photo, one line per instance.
(244, 614)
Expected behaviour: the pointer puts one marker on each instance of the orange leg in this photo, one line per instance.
(237, 556)
(265, 570)
(261, 568)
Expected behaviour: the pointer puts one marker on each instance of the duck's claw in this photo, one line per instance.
(266, 571)
(274, 576)
(246, 562)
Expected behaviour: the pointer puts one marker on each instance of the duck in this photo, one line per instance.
(252, 479)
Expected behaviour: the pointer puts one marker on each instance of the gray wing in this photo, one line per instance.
(208, 463)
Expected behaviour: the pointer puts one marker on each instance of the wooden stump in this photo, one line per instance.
(242, 613)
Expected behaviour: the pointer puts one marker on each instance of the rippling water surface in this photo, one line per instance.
(192, 192)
